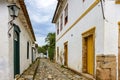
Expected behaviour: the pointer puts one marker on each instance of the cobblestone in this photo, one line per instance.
(51, 71)
(29, 73)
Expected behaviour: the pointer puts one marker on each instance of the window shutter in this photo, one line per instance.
(66, 14)
(27, 50)
(57, 28)
(61, 22)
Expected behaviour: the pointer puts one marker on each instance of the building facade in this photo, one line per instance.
(87, 37)
(17, 38)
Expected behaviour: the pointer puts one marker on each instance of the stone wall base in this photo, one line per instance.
(106, 67)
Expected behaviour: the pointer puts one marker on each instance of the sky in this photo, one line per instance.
(41, 13)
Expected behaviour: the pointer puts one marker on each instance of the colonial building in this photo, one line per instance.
(35, 52)
(17, 39)
(88, 37)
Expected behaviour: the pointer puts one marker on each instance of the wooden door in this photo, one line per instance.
(90, 55)
(66, 54)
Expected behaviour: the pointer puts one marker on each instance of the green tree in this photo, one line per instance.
(41, 50)
(45, 47)
(50, 39)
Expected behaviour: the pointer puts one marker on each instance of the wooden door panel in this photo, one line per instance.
(90, 55)
(65, 54)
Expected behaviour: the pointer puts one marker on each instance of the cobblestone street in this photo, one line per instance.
(51, 71)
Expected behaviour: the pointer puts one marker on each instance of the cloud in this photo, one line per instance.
(41, 11)
(40, 41)
(40, 18)
(41, 14)
(44, 3)
(51, 28)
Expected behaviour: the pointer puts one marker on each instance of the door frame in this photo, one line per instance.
(66, 54)
(16, 48)
(85, 35)
(118, 49)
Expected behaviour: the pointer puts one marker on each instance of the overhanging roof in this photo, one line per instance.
(23, 6)
(23, 15)
(58, 10)
(55, 14)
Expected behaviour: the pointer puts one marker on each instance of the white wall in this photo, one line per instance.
(106, 33)
(6, 45)
(4, 60)
(24, 38)
(112, 15)
(93, 19)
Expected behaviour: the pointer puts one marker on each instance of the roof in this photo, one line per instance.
(58, 10)
(23, 6)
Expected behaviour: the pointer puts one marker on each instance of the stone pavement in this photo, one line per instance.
(51, 71)
(29, 73)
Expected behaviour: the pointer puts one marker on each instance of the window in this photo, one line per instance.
(27, 50)
(61, 22)
(57, 28)
(66, 15)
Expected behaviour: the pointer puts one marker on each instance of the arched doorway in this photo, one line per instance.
(16, 40)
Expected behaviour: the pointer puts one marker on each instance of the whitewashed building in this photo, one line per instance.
(17, 38)
(88, 37)
(41, 55)
(35, 54)
(36, 51)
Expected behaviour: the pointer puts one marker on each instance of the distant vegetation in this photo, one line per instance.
(50, 46)
(43, 49)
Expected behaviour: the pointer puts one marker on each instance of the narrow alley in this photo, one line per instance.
(48, 70)
(44, 69)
